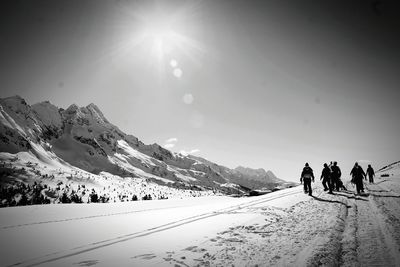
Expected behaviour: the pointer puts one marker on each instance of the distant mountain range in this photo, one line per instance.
(82, 138)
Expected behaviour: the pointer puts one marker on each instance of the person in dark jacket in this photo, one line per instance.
(371, 174)
(341, 185)
(358, 174)
(336, 173)
(327, 178)
(307, 175)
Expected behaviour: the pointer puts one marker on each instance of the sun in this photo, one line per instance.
(158, 29)
(160, 36)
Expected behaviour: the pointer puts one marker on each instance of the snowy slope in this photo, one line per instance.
(284, 228)
(247, 177)
(53, 178)
(391, 169)
(138, 229)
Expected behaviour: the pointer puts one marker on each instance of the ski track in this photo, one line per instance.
(87, 217)
(104, 243)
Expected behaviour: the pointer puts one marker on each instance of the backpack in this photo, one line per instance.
(307, 173)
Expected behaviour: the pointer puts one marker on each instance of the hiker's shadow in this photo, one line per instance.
(352, 196)
(373, 190)
(331, 201)
(392, 196)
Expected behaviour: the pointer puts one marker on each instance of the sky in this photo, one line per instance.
(262, 84)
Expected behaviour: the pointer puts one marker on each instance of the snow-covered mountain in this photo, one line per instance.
(81, 139)
(259, 175)
(247, 177)
(389, 170)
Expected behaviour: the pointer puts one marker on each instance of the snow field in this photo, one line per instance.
(121, 231)
(283, 228)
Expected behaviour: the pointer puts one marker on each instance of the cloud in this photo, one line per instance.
(169, 146)
(194, 151)
(171, 140)
(170, 143)
(185, 153)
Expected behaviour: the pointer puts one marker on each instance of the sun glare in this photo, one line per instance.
(158, 30)
(160, 37)
(163, 40)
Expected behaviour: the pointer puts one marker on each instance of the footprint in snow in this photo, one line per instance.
(148, 256)
(195, 249)
(191, 248)
(87, 263)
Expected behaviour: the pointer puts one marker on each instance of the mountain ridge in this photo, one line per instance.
(83, 137)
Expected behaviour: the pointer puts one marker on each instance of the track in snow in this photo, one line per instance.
(123, 238)
(375, 226)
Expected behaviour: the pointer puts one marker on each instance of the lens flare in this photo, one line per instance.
(173, 63)
(188, 99)
(178, 73)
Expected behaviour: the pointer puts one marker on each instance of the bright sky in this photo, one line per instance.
(262, 84)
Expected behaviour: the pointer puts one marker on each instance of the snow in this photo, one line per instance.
(283, 228)
(178, 172)
(230, 185)
(392, 169)
(42, 162)
(48, 114)
(132, 153)
(52, 171)
(127, 220)
(121, 160)
(9, 122)
(4, 118)
(97, 114)
(185, 177)
(46, 157)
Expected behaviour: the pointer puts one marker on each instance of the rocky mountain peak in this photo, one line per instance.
(16, 103)
(96, 112)
(72, 109)
(48, 113)
(249, 171)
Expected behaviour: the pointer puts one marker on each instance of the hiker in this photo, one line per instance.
(341, 185)
(306, 176)
(326, 178)
(336, 173)
(371, 174)
(358, 174)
